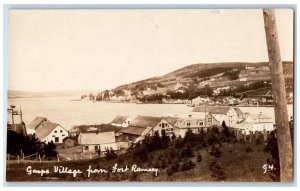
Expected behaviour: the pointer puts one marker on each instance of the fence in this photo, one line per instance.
(252, 136)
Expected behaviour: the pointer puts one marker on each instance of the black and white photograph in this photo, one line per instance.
(150, 95)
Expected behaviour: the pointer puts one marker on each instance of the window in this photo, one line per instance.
(61, 131)
(56, 139)
(53, 135)
(96, 147)
(63, 135)
(200, 123)
(209, 119)
(55, 131)
(86, 147)
(162, 125)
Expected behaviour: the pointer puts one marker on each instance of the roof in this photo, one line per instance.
(97, 128)
(212, 109)
(238, 110)
(119, 119)
(257, 117)
(219, 117)
(133, 130)
(45, 129)
(172, 120)
(97, 138)
(36, 122)
(244, 125)
(194, 122)
(146, 121)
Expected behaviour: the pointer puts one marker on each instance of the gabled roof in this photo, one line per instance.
(218, 117)
(258, 117)
(96, 128)
(244, 125)
(194, 122)
(212, 109)
(119, 119)
(238, 110)
(97, 138)
(45, 129)
(133, 130)
(172, 120)
(36, 122)
(145, 121)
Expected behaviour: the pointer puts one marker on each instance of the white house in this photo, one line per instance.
(143, 126)
(191, 122)
(127, 92)
(48, 131)
(199, 100)
(230, 115)
(121, 121)
(177, 86)
(93, 142)
(258, 122)
(250, 67)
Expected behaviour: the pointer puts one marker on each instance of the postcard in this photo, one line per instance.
(150, 95)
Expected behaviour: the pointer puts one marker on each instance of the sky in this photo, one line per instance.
(101, 49)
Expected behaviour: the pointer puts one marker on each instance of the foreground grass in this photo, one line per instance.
(237, 164)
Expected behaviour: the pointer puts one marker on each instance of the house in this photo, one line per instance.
(177, 86)
(250, 67)
(256, 122)
(146, 126)
(127, 92)
(51, 132)
(199, 101)
(230, 115)
(193, 123)
(68, 142)
(121, 121)
(93, 142)
(233, 101)
(33, 125)
(217, 91)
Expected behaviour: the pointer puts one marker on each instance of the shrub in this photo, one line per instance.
(173, 168)
(215, 152)
(187, 152)
(199, 158)
(217, 171)
(110, 154)
(249, 149)
(187, 165)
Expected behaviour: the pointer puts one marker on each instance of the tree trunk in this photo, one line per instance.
(279, 97)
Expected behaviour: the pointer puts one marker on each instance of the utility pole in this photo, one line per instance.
(279, 97)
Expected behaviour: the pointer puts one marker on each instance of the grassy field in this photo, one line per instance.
(237, 164)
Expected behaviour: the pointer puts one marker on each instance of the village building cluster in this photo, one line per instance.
(124, 131)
